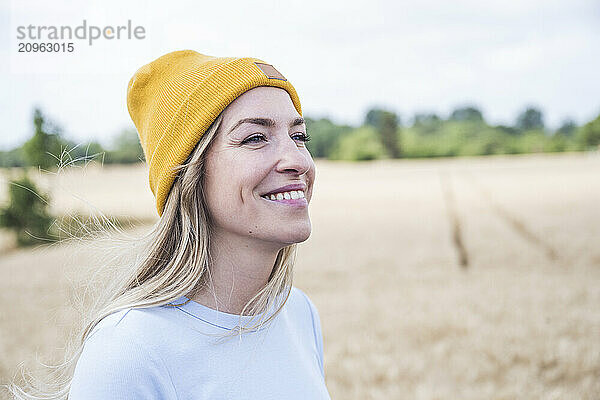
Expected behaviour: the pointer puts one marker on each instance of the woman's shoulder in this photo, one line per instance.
(301, 302)
(132, 322)
(132, 330)
(119, 354)
(304, 310)
(313, 321)
(119, 335)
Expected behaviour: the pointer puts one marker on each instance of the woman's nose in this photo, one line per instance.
(293, 157)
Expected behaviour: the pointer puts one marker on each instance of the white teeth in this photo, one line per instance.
(294, 194)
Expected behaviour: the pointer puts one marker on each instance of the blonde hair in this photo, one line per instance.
(173, 261)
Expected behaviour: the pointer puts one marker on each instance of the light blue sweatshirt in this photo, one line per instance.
(171, 353)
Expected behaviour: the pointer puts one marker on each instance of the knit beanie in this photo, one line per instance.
(174, 99)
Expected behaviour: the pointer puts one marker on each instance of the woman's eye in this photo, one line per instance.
(305, 137)
(250, 139)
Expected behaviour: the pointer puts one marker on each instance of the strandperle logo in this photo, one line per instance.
(83, 32)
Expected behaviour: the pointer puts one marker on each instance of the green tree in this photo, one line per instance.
(388, 132)
(427, 123)
(362, 144)
(126, 148)
(375, 116)
(27, 212)
(530, 119)
(469, 113)
(567, 128)
(43, 149)
(324, 136)
(508, 129)
(12, 158)
(589, 136)
(78, 153)
(386, 124)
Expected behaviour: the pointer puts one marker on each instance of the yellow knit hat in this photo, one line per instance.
(174, 99)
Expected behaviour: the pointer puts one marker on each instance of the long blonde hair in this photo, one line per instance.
(173, 260)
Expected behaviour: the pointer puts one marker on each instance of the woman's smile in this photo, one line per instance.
(294, 199)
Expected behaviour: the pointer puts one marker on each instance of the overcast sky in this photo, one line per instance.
(343, 57)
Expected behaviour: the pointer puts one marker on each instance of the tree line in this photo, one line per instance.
(464, 132)
(48, 148)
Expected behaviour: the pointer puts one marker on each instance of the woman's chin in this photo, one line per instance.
(299, 235)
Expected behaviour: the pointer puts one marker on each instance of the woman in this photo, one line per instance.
(225, 144)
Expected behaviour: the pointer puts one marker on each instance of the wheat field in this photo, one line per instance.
(470, 278)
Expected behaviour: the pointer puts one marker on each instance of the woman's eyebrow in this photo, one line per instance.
(264, 122)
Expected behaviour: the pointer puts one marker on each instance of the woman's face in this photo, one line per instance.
(250, 159)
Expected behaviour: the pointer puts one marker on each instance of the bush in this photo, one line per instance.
(362, 144)
(532, 141)
(324, 136)
(589, 135)
(44, 149)
(26, 213)
(557, 143)
(126, 149)
(12, 158)
(486, 142)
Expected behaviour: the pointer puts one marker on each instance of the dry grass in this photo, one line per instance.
(402, 318)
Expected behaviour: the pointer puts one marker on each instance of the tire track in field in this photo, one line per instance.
(455, 222)
(513, 221)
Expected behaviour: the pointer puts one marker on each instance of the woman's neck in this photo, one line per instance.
(237, 272)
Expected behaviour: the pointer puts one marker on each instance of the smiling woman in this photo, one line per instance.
(219, 261)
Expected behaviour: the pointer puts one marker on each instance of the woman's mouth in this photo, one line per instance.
(291, 198)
